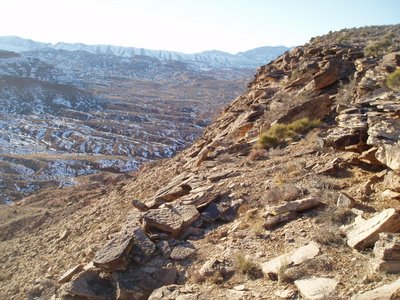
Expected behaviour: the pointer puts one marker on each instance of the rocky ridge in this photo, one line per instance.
(225, 219)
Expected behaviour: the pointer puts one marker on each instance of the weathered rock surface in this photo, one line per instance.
(173, 191)
(365, 233)
(392, 181)
(114, 254)
(70, 273)
(171, 219)
(272, 221)
(143, 247)
(329, 74)
(293, 206)
(89, 285)
(216, 265)
(387, 253)
(296, 257)
(182, 252)
(385, 292)
(345, 201)
(316, 288)
(315, 109)
(128, 284)
(174, 292)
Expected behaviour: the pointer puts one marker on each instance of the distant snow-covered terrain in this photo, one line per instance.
(68, 110)
(205, 60)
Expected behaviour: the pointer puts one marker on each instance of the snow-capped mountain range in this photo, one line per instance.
(205, 60)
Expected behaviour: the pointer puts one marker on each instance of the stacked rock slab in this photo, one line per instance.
(387, 253)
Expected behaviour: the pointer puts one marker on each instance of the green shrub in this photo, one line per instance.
(303, 125)
(393, 80)
(265, 141)
(279, 134)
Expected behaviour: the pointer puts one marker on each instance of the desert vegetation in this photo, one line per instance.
(393, 80)
(280, 134)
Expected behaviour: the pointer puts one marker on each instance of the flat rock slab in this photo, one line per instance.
(114, 254)
(316, 288)
(127, 284)
(387, 253)
(143, 247)
(173, 291)
(182, 252)
(70, 273)
(222, 175)
(386, 292)
(91, 285)
(165, 276)
(364, 234)
(171, 219)
(296, 257)
(293, 206)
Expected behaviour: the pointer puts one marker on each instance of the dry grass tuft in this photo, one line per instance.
(246, 266)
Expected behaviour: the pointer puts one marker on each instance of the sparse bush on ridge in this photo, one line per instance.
(381, 46)
(393, 80)
(279, 134)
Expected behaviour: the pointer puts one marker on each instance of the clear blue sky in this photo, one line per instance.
(190, 25)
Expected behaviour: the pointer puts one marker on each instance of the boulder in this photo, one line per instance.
(387, 253)
(389, 194)
(90, 285)
(341, 138)
(177, 292)
(315, 109)
(171, 219)
(296, 257)
(293, 206)
(127, 284)
(200, 197)
(392, 181)
(345, 201)
(272, 221)
(364, 233)
(182, 252)
(224, 209)
(214, 265)
(114, 254)
(385, 292)
(316, 288)
(329, 74)
(172, 192)
(389, 155)
(369, 157)
(143, 247)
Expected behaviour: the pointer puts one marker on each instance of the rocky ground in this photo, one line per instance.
(314, 217)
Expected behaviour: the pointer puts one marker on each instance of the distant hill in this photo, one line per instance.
(68, 110)
(202, 60)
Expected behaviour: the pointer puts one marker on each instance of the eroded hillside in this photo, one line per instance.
(268, 204)
(66, 114)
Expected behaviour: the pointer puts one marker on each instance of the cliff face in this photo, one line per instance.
(262, 206)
